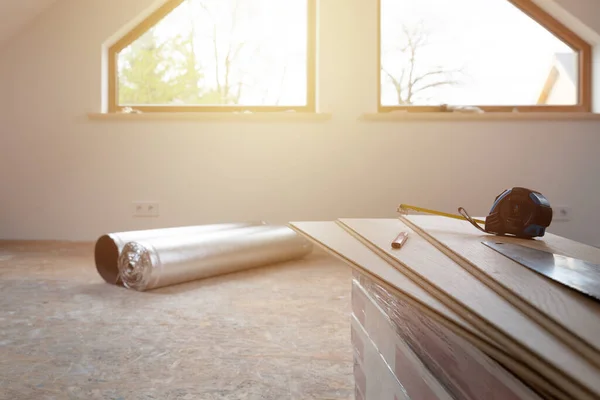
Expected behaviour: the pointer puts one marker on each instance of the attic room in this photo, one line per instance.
(309, 199)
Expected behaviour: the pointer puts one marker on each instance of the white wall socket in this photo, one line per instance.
(561, 213)
(145, 209)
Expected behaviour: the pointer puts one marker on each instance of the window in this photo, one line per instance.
(498, 55)
(217, 55)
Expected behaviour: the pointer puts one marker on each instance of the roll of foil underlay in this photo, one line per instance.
(109, 246)
(164, 261)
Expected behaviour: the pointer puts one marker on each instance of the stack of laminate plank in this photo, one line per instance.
(507, 331)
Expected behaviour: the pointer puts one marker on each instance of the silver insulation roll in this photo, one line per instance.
(109, 246)
(163, 261)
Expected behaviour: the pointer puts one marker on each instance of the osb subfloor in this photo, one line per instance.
(281, 332)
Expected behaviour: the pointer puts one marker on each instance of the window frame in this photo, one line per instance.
(580, 46)
(160, 13)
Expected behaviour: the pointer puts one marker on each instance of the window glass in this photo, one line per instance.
(220, 52)
(471, 52)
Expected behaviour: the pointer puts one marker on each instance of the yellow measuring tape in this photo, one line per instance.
(403, 209)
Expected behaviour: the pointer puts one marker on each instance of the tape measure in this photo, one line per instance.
(518, 211)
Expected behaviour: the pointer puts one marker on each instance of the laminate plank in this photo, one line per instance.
(572, 317)
(334, 239)
(480, 305)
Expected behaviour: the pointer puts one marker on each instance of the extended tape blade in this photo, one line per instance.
(574, 273)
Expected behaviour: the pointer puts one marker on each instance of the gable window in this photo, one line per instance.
(217, 55)
(494, 55)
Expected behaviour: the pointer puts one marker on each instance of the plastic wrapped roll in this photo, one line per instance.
(108, 247)
(164, 261)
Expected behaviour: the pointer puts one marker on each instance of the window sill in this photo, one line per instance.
(490, 116)
(213, 116)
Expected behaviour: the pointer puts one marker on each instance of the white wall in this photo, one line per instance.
(581, 16)
(72, 178)
(583, 11)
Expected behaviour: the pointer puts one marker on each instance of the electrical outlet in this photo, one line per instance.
(145, 209)
(561, 213)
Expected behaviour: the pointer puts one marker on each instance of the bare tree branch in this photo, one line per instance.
(231, 75)
(408, 79)
(436, 84)
(216, 51)
(283, 76)
(230, 58)
(238, 94)
(411, 71)
(397, 84)
(430, 73)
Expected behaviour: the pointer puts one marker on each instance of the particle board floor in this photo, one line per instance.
(279, 332)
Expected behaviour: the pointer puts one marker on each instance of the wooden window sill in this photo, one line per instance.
(490, 116)
(213, 116)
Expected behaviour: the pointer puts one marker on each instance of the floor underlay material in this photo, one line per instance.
(269, 333)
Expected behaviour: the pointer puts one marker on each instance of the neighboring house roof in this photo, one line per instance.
(564, 66)
(567, 63)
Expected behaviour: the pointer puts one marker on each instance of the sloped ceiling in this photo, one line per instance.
(16, 14)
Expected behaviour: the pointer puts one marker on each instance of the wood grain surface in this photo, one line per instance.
(525, 340)
(339, 242)
(573, 318)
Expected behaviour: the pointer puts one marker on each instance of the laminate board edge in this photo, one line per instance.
(575, 389)
(575, 342)
(467, 331)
